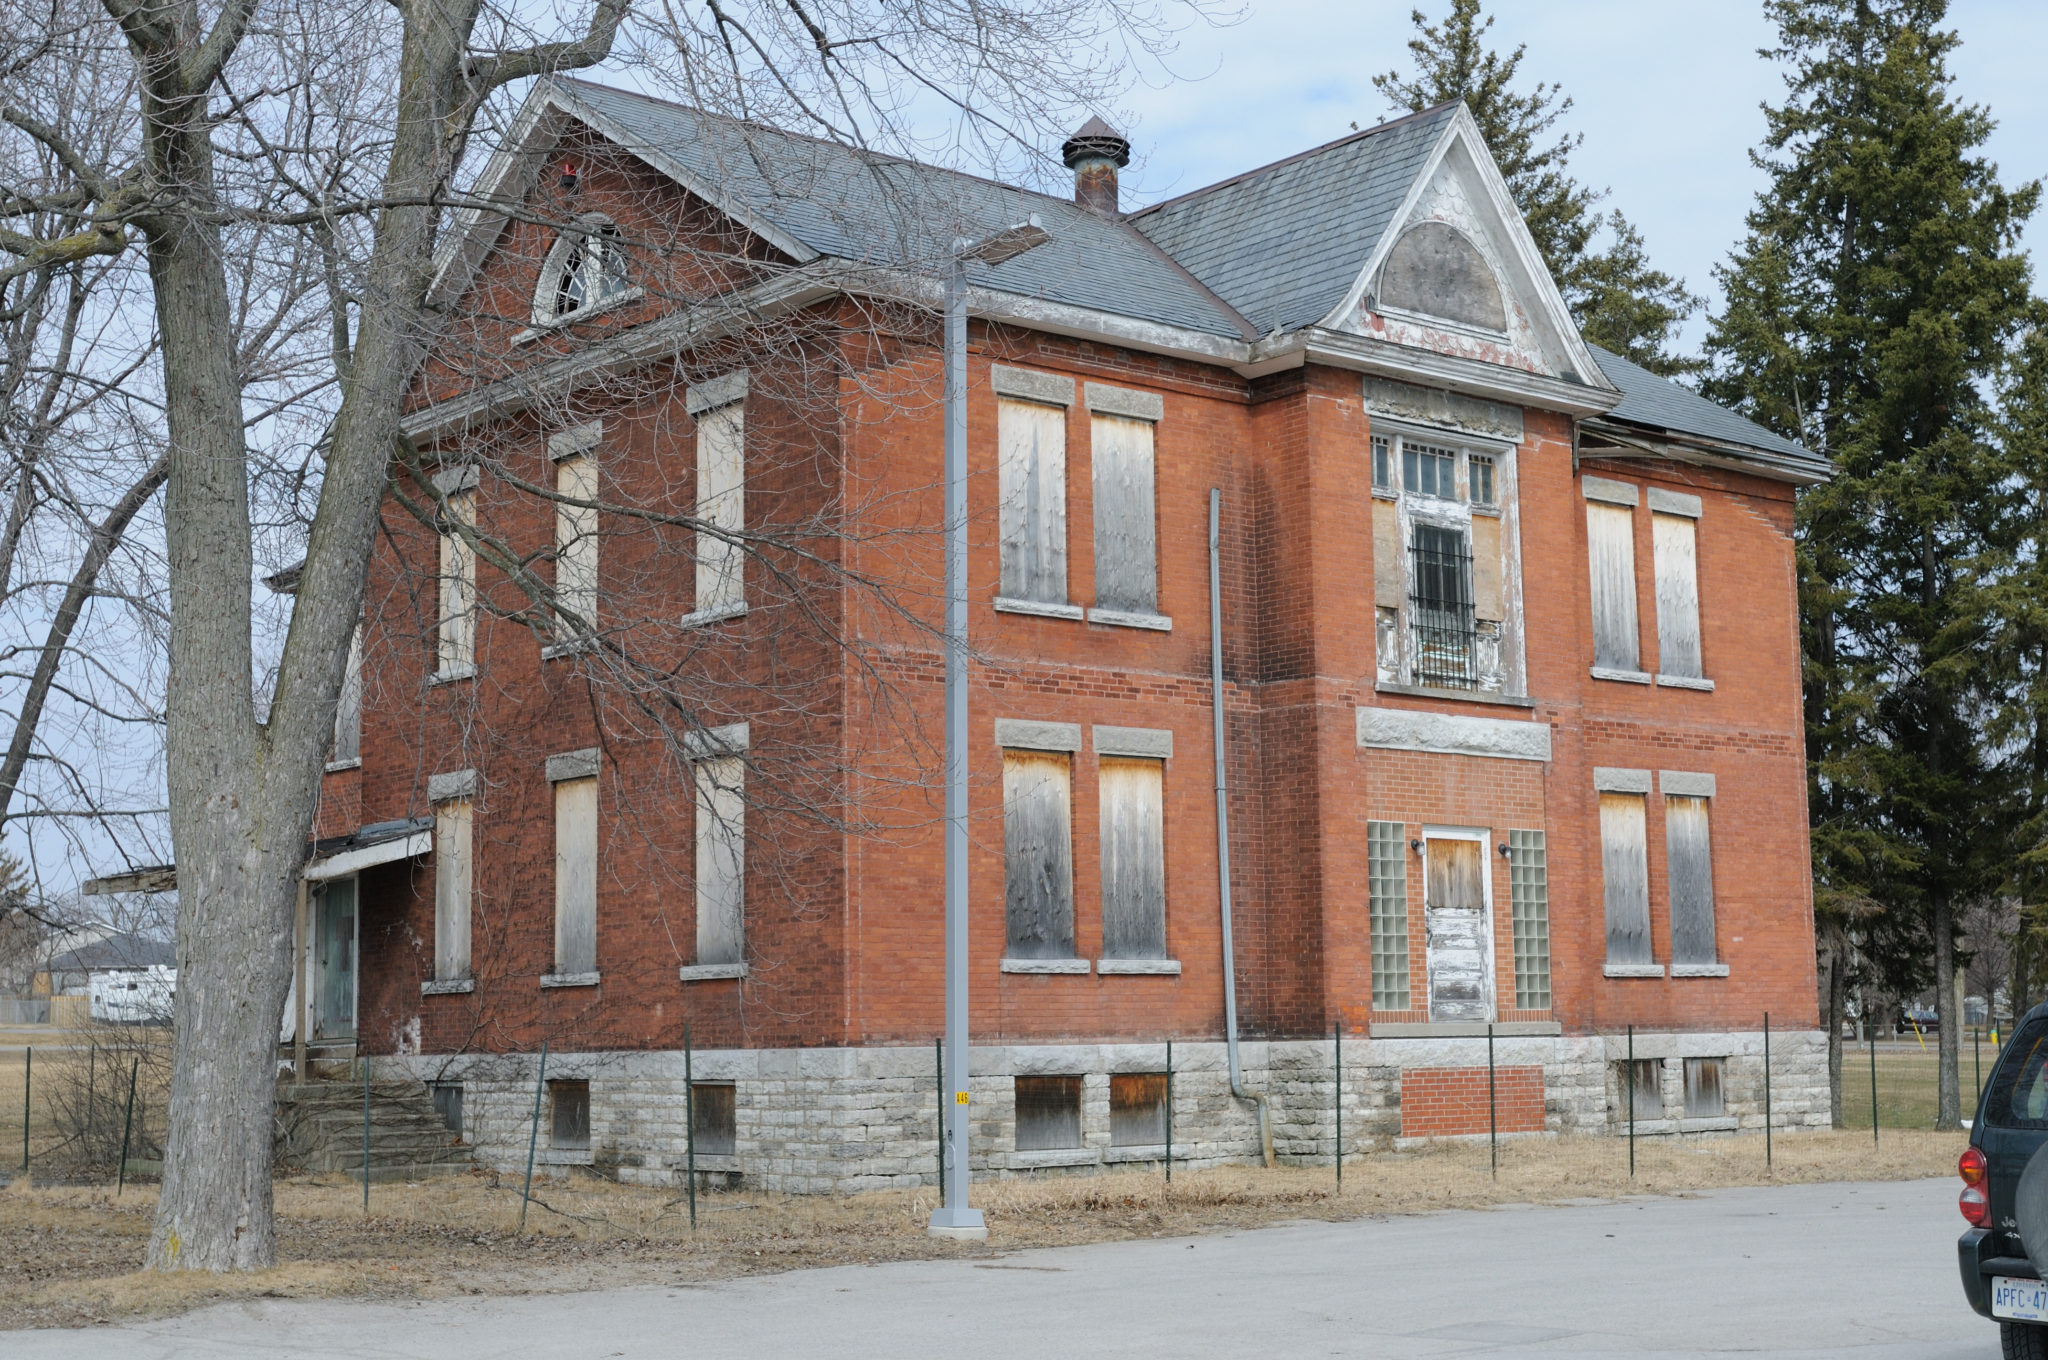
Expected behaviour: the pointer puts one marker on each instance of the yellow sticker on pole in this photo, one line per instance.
(959, 1097)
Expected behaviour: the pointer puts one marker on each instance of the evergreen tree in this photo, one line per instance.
(1870, 310)
(1618, 300)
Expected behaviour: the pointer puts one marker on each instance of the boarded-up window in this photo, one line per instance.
(348, 713)
(1690, 862)
(457, 634)
(1703, 1088)
(721, 858)
(1386, 858)
(722, 507)
(1048, 1113)
(714, 1117)
(1038, 855)
(1625, 872)
(1643, 1084)
(576, 876)
(1031, 466)
(576, 544)
(1529, 910)
(1611, 550)
(1126, 551)
(448, 1104)
(1137, 1109)
(454, 881)
(1673, 550)
(569, 1108)
(1133, 799)
(1489, 596)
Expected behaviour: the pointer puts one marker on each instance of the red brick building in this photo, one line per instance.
(649, 685)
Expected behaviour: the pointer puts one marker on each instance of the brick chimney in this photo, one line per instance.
(1095, 154)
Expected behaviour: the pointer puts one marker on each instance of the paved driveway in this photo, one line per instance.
(1833, 1270)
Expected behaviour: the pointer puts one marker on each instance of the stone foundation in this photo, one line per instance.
(828, 1121)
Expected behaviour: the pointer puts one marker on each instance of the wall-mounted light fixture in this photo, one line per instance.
(1416, 846)
(1503, 849)
(567, 176)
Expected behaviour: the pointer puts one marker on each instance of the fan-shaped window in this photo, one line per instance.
(586, 269)
(1436, 271)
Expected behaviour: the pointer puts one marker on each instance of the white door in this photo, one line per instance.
(334, 960)
(1454, 915)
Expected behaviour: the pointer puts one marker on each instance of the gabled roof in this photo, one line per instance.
(819, 198)
(122, 949)
(1283, 243)
(1659, 404)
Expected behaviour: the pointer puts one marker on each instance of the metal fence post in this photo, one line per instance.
(690, 1124)
(365, 1062)
(1977, 1057)
(1767, 1090)
(1169, 1112)
(1628, 1087)
(1493, 1108)
(127, 1123)
(939, 1103)
(533, 1134)
(1873, 1086)
(28, 1072)
(1337, 1042)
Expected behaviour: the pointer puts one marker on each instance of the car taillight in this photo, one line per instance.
(1970, 1166)
(1975, 1207)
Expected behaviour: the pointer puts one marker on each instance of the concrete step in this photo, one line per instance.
(320, 1128)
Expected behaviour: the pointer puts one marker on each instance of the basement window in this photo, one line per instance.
(448, 1104)
(1703, 1089)
(569, 1116)
(1646, 1086)
(714, 1117)
(1137, 1109)
(1048, 1113)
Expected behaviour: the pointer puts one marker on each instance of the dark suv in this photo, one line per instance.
(2011, 1125)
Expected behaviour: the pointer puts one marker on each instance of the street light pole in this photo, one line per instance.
(955, 1218)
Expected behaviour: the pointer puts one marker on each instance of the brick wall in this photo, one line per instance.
(1438, 1102)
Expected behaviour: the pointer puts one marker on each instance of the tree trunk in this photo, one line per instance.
(1837, 1001)
(1948, 1111)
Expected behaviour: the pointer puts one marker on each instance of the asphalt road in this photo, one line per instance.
(1831, 1270)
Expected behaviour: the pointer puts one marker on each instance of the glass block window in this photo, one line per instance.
(1529, 909)
(1429, 471)
(1386, 849)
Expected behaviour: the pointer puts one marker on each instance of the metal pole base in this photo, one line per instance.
(958, 1225)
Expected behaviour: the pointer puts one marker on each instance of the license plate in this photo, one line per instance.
(2021, 1300)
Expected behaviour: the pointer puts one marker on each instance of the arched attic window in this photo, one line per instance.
(585, 269)
(1434, 270)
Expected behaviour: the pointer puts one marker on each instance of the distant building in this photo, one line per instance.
(117, 951)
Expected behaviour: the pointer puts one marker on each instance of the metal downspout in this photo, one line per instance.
(1223, 827)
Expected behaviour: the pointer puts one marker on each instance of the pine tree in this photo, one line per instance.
(1870, 309)
(1618, 300)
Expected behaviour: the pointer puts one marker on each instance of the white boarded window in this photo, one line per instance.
(575, 877)
(1048, 1113)
(1625, 873)
(1031, 476)
(1689, 861)
(721, 858)
(1133, 797)
(1386, 859)
(1529, 911)
(1126, 548)
(1038, 855)
(1611, 550)
(457, 633)
(1673, 549)
(576, 544)
(454, 882)
(721, 508)
(348, 710)
(1703, 1098)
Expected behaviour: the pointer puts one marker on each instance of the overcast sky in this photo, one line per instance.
(1666, 94)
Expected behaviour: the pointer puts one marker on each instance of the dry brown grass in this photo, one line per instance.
(73, 1251)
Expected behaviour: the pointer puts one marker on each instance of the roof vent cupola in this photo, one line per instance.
(1095, 154)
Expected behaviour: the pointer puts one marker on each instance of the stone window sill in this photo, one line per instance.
(337, 766)
(1117, 618)
(1045, 965)
(1625, 677)
(555, 651)
(1139, 967)
(1645, 1128)
(1156, 1152)
(1720, 1123)
(1466, 1029)
(718, 613)
(540, 328)
(1006, 605)
(449, 677)
(1024, 1161)
(564, 1156)
(710, 972)
(1686, 682)
(1462, 696)
(1699, 970)
(570, 979)
(447, 986)
(1632, 970)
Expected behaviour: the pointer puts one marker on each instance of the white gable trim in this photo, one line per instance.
(1461, 130)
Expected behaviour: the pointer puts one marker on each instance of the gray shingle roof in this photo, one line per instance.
(1282, 244)
(1658, 403)
(119, 950)
(881, 210)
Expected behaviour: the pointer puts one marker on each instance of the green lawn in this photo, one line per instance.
(1906, 1083)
